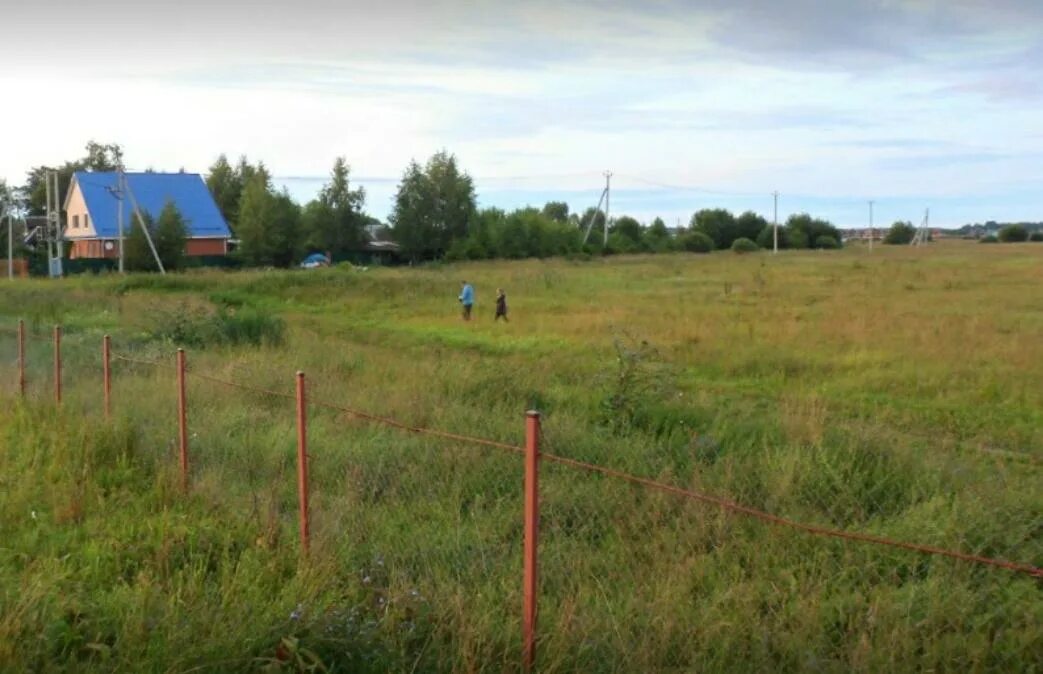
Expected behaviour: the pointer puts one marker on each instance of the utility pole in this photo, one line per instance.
(119, 213)
(608, 192)
(775, 224)
(10, 241)
(870, 225)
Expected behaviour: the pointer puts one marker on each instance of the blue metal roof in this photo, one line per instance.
(152, 192)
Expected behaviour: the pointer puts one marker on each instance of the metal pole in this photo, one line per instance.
(302, 464)
(608, 196)
(870, 226)
(119, 214)
(532, 524)
(182, 419)
(59, 236)
(10, 246)
(58, 364)
(775, 225)
(21, 357)
(106, 368)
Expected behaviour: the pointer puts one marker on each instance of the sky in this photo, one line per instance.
(913, 104)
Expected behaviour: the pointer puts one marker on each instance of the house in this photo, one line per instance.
(91, 208)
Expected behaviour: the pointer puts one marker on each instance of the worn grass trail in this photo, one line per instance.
(895, 394)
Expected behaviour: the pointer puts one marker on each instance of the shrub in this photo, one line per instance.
(199, 325)
(744, 245)
(766, 238)
(988, 239)
(1013, 234)
(827, 242)
(900, 233)
(1036, 236)
(696, 242)
(804, 230)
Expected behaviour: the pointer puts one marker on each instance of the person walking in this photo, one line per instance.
(501, 306)
(466, 299)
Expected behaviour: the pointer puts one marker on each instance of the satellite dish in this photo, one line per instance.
(108, 245)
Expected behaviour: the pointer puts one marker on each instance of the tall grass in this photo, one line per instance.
(895, 394)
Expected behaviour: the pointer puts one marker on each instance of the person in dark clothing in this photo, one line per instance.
(501, 305)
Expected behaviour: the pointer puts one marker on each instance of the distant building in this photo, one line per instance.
(91, 211)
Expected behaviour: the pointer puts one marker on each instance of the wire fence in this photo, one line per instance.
(565, 502)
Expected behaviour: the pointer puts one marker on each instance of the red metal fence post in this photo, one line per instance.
(21, 357)
(58, 364)
(182, 419)
(302, 463)
(532, 525)
(106, 373)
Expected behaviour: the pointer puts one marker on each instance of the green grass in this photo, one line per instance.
(895, 394)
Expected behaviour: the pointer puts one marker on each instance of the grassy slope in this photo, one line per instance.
(896, 394)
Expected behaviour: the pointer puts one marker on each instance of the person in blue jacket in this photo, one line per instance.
(467, 299)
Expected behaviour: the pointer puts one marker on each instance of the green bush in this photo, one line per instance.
(827, 242)
(696, 242)
(988, 239)
(766, 238)
(1013, 234)
(200, 325)
(744, 245)
(1036, 236)
(900, 233)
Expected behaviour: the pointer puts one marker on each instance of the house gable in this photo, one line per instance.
(78, 222)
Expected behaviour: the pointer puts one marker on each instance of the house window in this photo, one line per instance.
(75, 222)
(86, 220)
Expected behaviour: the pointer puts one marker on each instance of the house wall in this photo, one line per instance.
(95, 248)
(92, 248)
(206, 247)
(78, 222)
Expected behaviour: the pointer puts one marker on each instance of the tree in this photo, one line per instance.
(597, 216)
(227, 184)
(766, 238)
(268, 224)
(434, 206)
(716, 223)
(169, 235)
(1013, 234)
(334, 223)
(802, 231)
(628, 228)
(657, 237)
(900, 233)
(749, 225)
(136, 252)
(226, 187)
(556, 210)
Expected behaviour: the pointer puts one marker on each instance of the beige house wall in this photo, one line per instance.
(78, 222)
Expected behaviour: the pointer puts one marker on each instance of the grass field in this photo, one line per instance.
(897, 393)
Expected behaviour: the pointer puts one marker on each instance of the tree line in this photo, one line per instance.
(435, 215)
